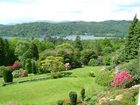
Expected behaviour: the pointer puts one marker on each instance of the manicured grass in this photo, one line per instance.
(47, 92)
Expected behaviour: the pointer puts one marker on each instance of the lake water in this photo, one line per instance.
(83, 37)
(70, 37)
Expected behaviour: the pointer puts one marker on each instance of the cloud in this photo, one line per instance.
(15, 11)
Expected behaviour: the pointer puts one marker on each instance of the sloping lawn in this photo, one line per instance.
(47, 92)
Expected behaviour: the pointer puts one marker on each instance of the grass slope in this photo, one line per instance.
(47, 92)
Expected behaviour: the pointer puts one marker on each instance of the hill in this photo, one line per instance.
(39, 29)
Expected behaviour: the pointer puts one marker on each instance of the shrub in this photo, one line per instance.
(67, 66)
(121, 79)
(134, 81)
(56, 75)
(82, 94)
(34, 67)
(7, 74)
(114, 102)
(91, 74)
(60, 102)
(76, 64)
(93, 62)
(73, 98)
(23, 73)
(132, 66)
(16, 65)
(28, 65)
(107, 61)
(104, 78)
(16, 73)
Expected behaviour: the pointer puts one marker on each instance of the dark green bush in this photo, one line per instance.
(73, 98)
(7, 74)
(82, 94)
(60, 102)
(104, 78)
(91, 74)
(93, 62)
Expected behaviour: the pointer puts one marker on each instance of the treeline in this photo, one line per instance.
(39, 29)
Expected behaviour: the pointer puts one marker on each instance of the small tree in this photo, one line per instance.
(28, 65)
(73, 98)
(82, 94)
(53, 64)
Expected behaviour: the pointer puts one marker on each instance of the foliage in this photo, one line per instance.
(73, 98)
(28, 65)
(5, 53)
(132, 66)
(86, 55)
(93, 62)
(78, 43)
(16, 65)
(53, 64)
(60, 102)
(82, 92)
(68, 66)
(107, 60)
(7, 75)
(91, 74)
(36, 29)
(56, 75)
(104, 78)
(133, 39)
(23, 73)
(129, 97)
(121, 79)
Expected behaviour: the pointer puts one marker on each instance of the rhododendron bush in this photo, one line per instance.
(121, 79)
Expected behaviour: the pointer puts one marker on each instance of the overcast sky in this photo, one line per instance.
(18, 11)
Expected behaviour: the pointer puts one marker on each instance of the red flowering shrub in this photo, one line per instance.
(16, 65)
(121, 79)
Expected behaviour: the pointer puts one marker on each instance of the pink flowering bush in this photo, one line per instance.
(121, 79)
(68, 66)
(16, 65)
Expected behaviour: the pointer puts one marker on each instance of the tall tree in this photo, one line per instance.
(2, 55)
(132, 40)
(78, 43)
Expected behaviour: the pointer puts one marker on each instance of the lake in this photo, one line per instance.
(70, 37)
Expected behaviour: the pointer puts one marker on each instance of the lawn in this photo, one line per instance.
(47, 92)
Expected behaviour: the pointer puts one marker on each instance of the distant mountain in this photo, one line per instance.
(38, 29)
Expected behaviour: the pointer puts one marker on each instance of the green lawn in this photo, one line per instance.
(47, 92)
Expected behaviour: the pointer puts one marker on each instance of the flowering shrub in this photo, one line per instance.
(16, 65)
(121, 79)
(68, 66)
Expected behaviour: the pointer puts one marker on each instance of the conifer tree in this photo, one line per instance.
(2, 55)
(78, 43)
(132, 40)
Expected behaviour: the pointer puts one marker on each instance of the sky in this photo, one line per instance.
(20, 11)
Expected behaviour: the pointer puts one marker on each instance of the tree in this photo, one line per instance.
(53, 64)
(28, 65)
(2, 55)
(21, 48)
(34, 50)
(132, 40)
(78, 43)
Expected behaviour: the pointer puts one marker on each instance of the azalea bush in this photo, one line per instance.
(121, 79)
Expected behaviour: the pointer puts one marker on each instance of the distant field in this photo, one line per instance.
(47, 92)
